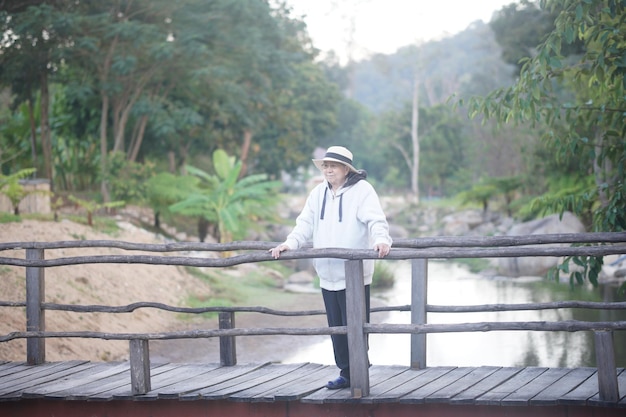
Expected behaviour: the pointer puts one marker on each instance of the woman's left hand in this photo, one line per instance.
(383, 249)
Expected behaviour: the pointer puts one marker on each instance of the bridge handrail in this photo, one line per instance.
(416, 243)
(416, 250)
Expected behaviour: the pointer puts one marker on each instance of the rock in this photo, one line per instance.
(301, 277)
(461, 223)
(398, 232)
(301, 282)
(538, 266)
(620, 273)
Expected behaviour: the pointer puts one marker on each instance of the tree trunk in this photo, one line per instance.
(245, 150)
(603, 174)
(104, 116)
(171, 159)
(46, 143)
(104, 148)
(415, 141)
(137, 139)
(33, 135)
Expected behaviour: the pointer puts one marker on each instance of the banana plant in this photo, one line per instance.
(233, 204)
(11, 187)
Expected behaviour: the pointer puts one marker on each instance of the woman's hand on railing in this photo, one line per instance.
(278, 249)
(382, 249)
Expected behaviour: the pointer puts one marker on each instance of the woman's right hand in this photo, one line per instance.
(278, 249)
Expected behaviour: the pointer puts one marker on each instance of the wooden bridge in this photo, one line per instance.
(139, 387)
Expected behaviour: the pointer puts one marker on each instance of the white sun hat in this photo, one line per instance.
(336, 154)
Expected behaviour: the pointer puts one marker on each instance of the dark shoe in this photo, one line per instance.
(338, 383)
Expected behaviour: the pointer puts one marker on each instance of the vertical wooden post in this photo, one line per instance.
(419, 299)
(228, 347)
(357, 339)
(35, 315)
(140, 366)
(605, 361)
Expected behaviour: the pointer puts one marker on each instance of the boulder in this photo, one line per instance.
(538, 265)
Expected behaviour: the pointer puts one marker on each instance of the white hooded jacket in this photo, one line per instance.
(353, 218)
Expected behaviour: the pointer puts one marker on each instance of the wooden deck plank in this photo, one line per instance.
(91, 373)
(26, 372)
(420, 395)
(120, 385)
(14, 388)
(60, 389)
(306, 385)
(87, 388)
(621, 383)
(525, 393)
(266, 391)
(581, 394)
(377, 375)
(172, 380)
(10, 368)
(395, 387)
(525, 387)
(497, 394)
(621, 380)
(471, 378)
(470, 395)
(551, 394)
(242, 382)
(185, 390)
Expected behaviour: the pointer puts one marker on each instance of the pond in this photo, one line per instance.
(450, 283)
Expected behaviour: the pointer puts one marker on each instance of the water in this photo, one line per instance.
(452, 284)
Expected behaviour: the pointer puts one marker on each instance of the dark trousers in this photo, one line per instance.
(335, 303)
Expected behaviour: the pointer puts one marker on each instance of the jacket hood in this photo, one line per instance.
(353, 178)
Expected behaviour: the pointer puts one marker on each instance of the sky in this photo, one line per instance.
(363, 27)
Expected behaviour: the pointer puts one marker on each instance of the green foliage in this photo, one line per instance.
(10, 186)
(585, 267)
(519, 28)
(234, 204)
(479, 193)
(383, 277)
(91, 206)
(165, 189)
(127, 179)
(9, 218)
(579, 99)
(15, 141)
(441, 142)
(577, 196)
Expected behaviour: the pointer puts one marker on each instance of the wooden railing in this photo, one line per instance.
(418, 251)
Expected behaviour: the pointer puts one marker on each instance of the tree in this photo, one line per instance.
(35, 33)
(580, 99)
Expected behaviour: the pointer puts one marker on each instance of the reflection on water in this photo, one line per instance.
(452, 284)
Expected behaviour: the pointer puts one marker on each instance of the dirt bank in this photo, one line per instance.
(118, 284)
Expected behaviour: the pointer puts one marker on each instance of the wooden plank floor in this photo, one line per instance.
(270, 382)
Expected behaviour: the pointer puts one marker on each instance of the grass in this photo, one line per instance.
(258, 287)
(383, 276)
(9, 218)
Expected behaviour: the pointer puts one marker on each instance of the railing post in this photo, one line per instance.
(419, 299)
(228, 347)
(35, 315)
(139, 366)
(357, 339)
(605, 361)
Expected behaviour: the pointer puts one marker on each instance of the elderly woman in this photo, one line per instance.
(342, 212)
